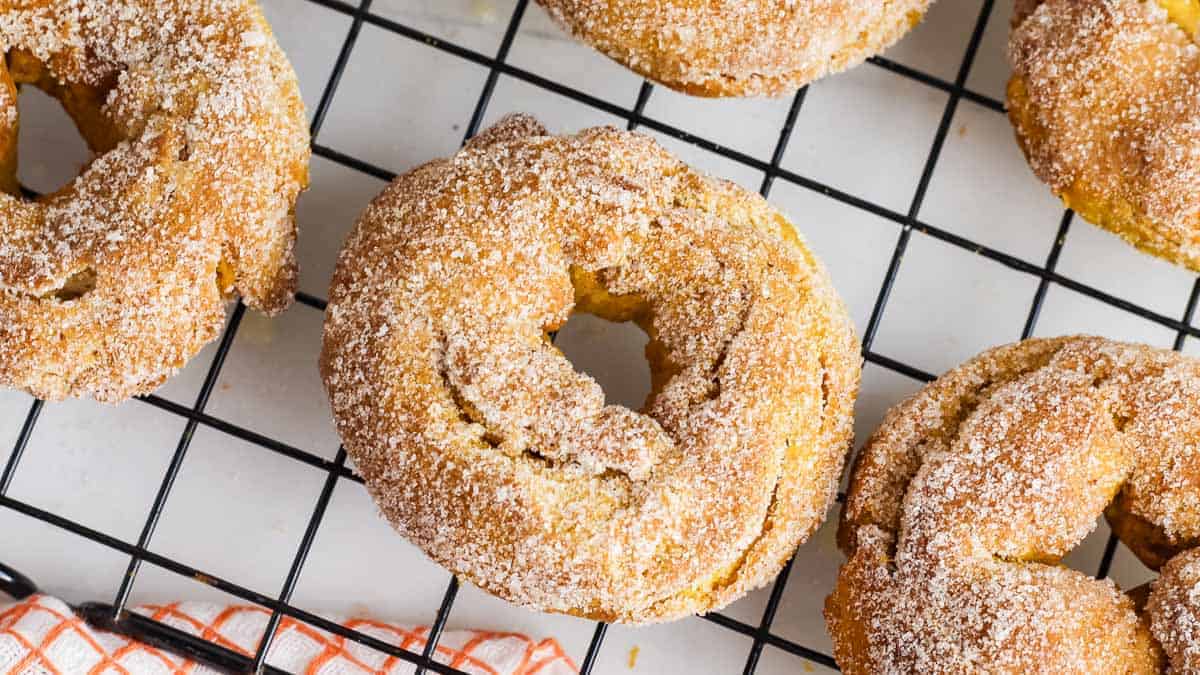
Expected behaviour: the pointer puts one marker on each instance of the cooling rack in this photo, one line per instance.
(773, 171)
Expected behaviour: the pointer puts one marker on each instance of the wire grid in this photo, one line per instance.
(772, 171)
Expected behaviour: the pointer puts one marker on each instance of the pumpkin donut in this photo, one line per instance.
(483, 445)
(963, 502)
(742, 48)
(1105, 99)
(200, 144)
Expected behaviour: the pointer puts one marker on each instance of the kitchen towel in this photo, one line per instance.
(41, 635)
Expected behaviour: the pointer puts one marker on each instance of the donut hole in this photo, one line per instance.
(61, 126)
(612, 353)
(605, 338)
(51, 149)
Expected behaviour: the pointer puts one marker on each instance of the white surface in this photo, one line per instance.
(239, 510)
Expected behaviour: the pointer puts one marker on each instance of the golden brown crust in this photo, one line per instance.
(1105, 100)
(747, 48)
(112, 283)
(964, 500)
(1175, 611)
(482, 444)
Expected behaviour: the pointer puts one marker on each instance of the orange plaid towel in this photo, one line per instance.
(42, 636)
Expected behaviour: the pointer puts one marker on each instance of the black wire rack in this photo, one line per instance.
(761, 634)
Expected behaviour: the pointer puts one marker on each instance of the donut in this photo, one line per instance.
(745, 48)
(964, 501)
(1105, 100)
(200, 149)
(485, 447)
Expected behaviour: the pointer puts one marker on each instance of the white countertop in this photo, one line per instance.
(239, 510)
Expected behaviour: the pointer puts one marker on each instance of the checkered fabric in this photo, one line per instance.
(41, 636)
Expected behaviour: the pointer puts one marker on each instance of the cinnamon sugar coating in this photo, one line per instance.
(482, 444)
(1105, 99)
(200, 142)
(1174, 610)
(737, 47)
(968, 495)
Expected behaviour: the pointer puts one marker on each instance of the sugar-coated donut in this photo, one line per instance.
(482, 444)
(1105, 99)
(113, 282)
(737, 47)
(968, 495)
